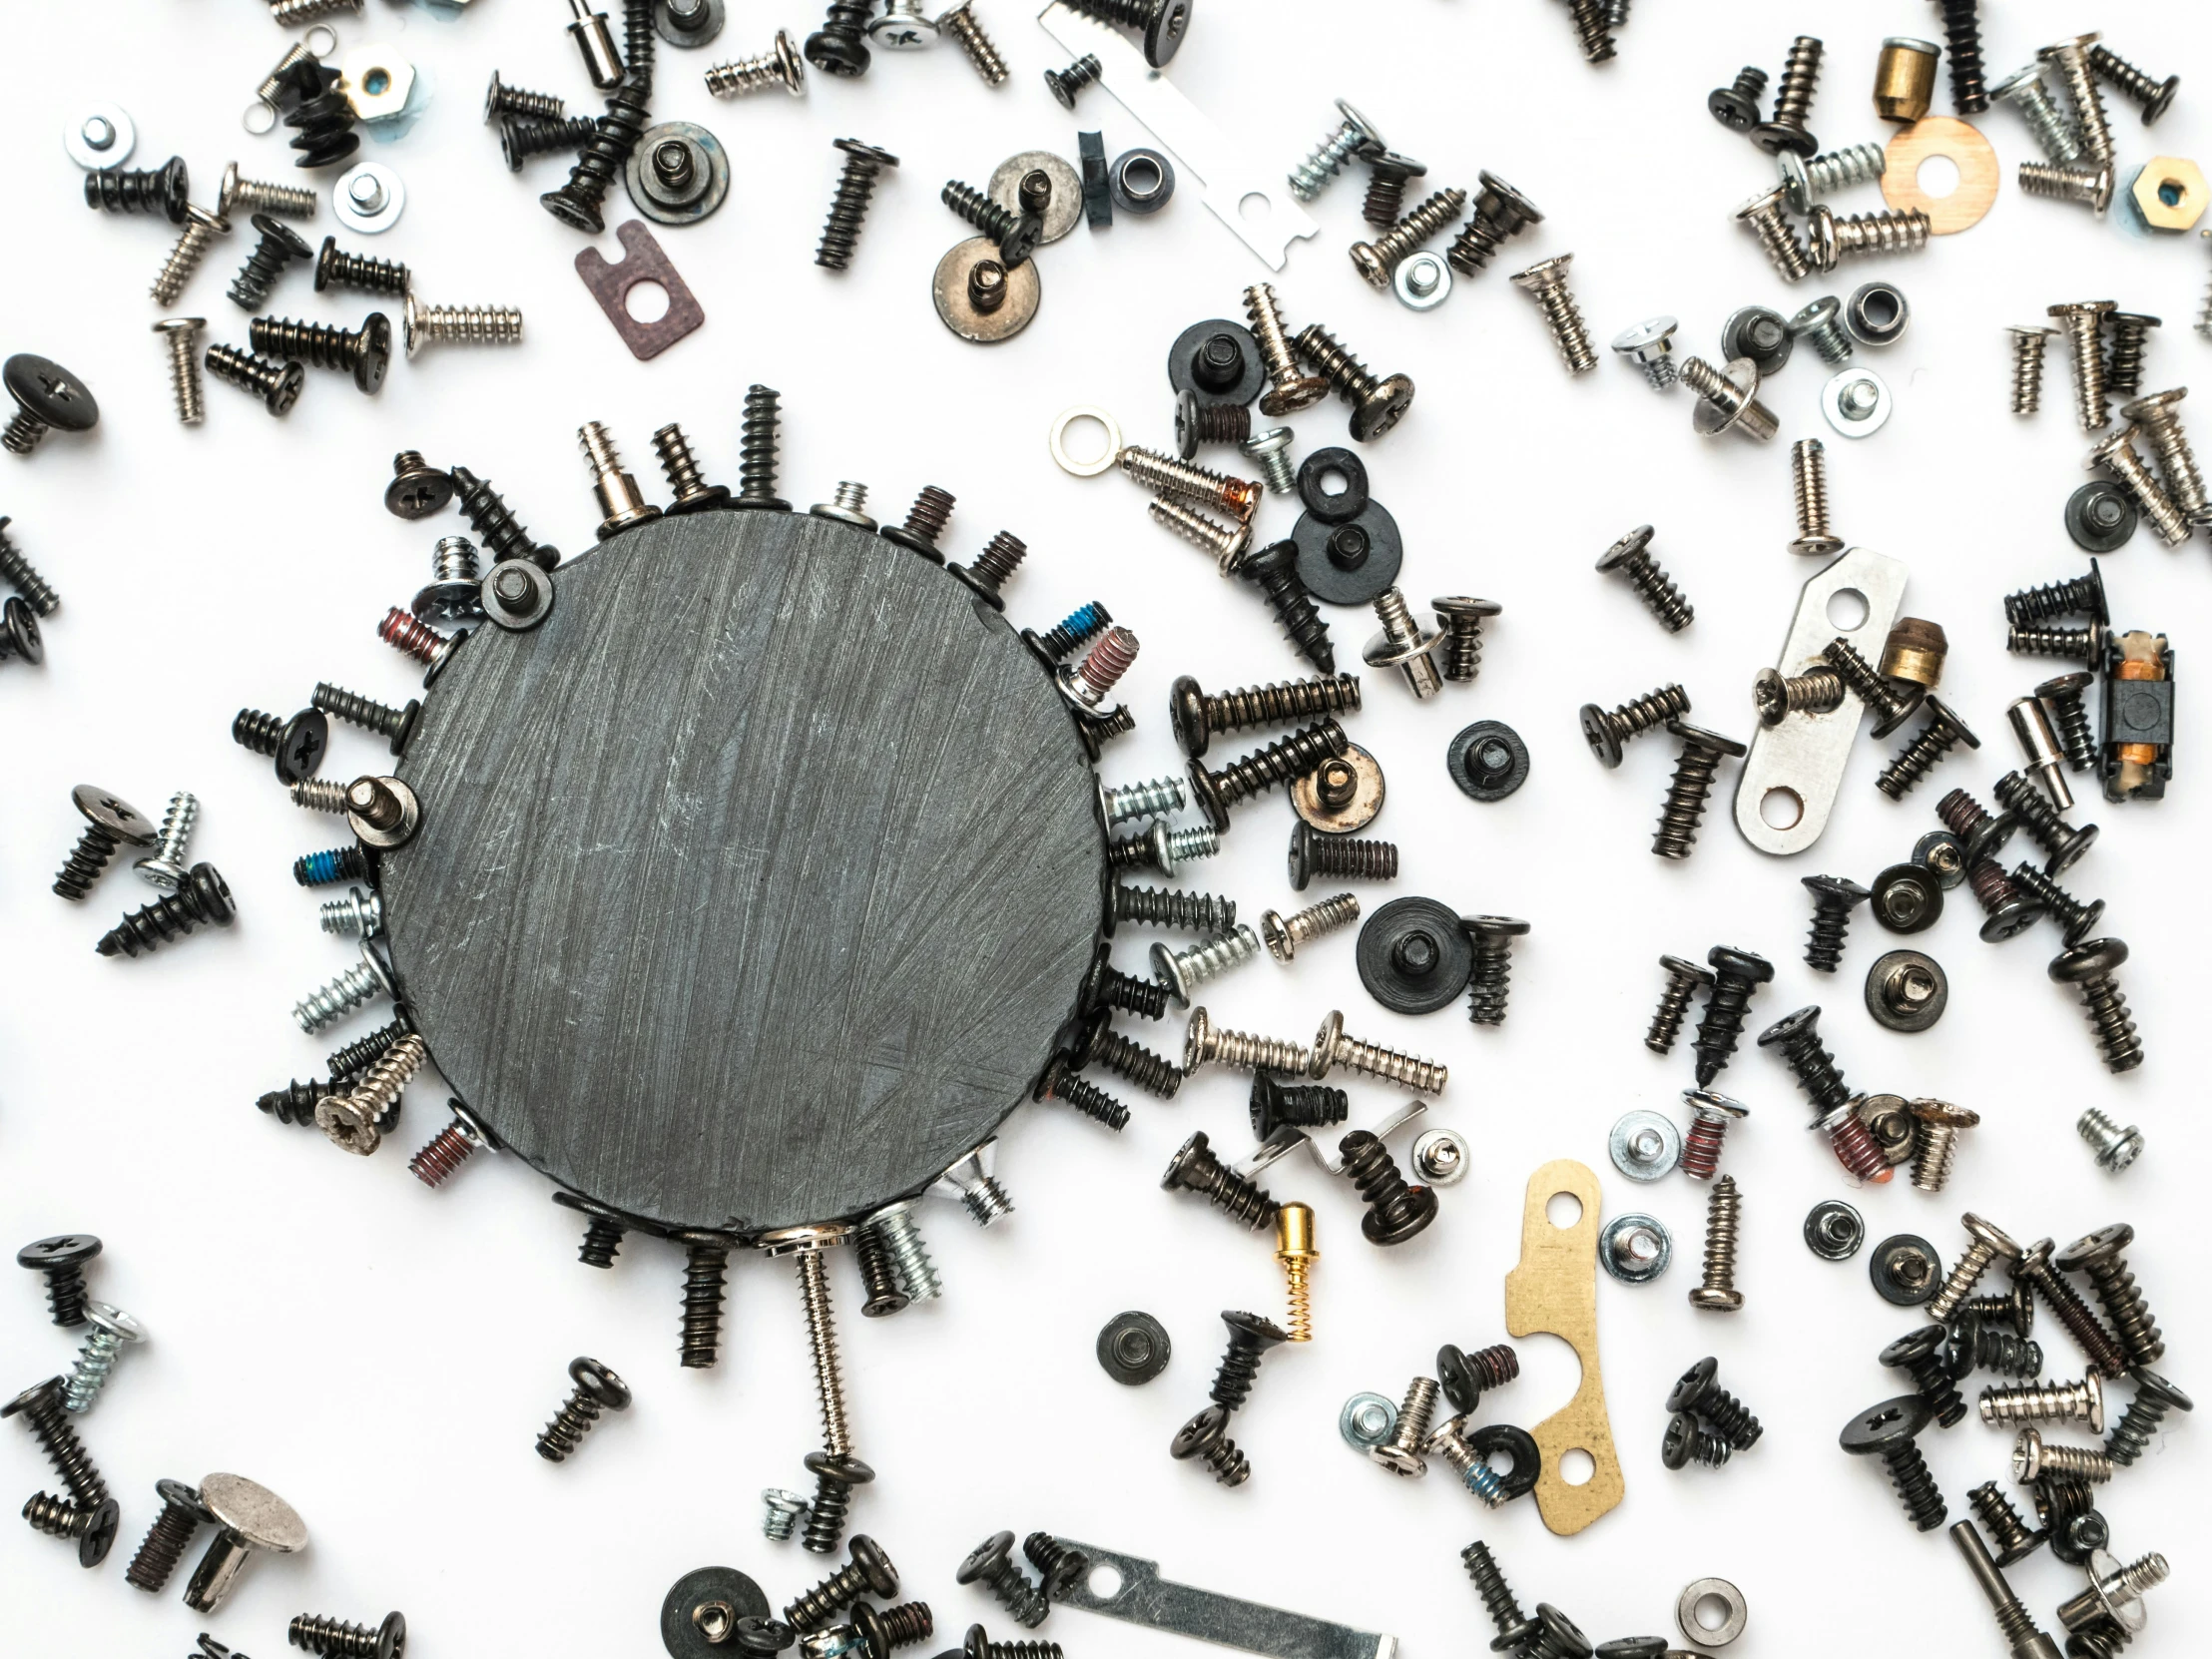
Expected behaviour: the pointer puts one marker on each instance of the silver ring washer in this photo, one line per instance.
(707, 192)
(78, 138)
(260, 117)
(1685, 1612)
(1366, 1421)
(385, 215)
(1442, 1156)
(1635, 1273)
(1854, 383)
(1066, 206)
(1057, 443)
(330, 38)
(1422, 281)
(1633, 1158)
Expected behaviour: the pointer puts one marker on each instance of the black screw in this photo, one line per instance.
(856, 184)
(356, 1057)
(2101, 1255)
(1070, 634)
(111, 821)
(1388, 176)
(47, 1419)
(521, 137)
(1608, 734)
(839, 46)
(576, 203)
(987, 576)
(1737, 975)
(395, 724)
(2103, 1349)
(1197, 715)
(1067, 83)
(1694, 771)
(991, 1563)
(603, 1229)
(164, 190)
(2089, 967)
(1630, 559)
(1891, 704)
(1195, 1168)
(1274, 569)
(1944, 732)
(1105, 987)
(1888, 1431)
(1249, 1337)
(2062, 695)
(1376, 405)
(875, 1635)
(62, 1260)
(925, 522)
(1922, 1355)
(706, 1267)
(18, 573)
(1834, 899)
(1698, 1391)
(297, 745)
(340, 1640)
(1163, 23)
(1097, 1045)
(1015, 234)
(1059, 1082)
(2154, 1397)
(596, 1389)
(1981, 835)
(1490, 984)
(1684, 981)
(2076, 919)
(756, 452)
(2040, 819)
(879, 1275)
(1281, 761)
(868, 1572)
(296, 1101)
(323, 119)
(1515, 1630)
(1795, 1038)
(1205, 1439)
(278, 385)
(48, 398)
(1686, 1442)
(363, 352)
(2077, 595)
(417, 489)
(1736, 106)
(1500, 212)
(1969, 93)
(166, 1541)
(1466, 1378)
(1346, 857)
(501, 98)
(1274, 1104)
(93, 1526)
(2006, 1529)
(1059, 1568)
(1395, 1211)
(501, 532)
(335, 268)
(203, 898)
(1977, 1343)
(280, 244)
(1197, 912)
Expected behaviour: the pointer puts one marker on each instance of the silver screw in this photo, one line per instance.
(201, 230)
(2028, 348)
(1334, 1047)
(809, 1247)
(1763, 216)
(326, 1003)
(894, 1224)
(970, 1180)
(181, 334)
(164, 867)
(1404, 644)
(2118, 458)
(2159, 420)
(1832, 240)
(357, 915)
(1269, 452)
(1310, 177)
(1180, 970)
(354, 1121)
(2115, 1148)
(780, 1513)
(1227, 544)
(1807, 180)
(1808, 483)
(459, 324)
(2089, 183)
(1401, 1453)
(2072, 60)
(1546, 282)
(1284, 934)
(2026, 91)
(1376, 259)
(259, 196)
(779, 66)
(2081, 1401)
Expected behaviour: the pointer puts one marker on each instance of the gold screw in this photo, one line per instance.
(1294, 1248)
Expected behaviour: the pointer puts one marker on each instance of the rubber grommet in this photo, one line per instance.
(1133, 1348)
(1488, 761)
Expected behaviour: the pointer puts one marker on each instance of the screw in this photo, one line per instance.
(1501, 212)
(1016, 233)
(2111, 1606)
(1723, 1212)
(1348, 857)
(1818, 323)
(1699, 1394)
(1288, 389)
(1490, 982)
(902, 1238)
(2076, 919)
(1729, 401)
(972, 1182)
(1937, 1141)
(1249, 1337)
(1067, 83)
(1608, 734)
(111, 823)
(2004, 1523)
(1944, 732)
(2027, 368)
(780, 1513)
(1630, 560)
(1833, 899)
(2081, 644)
(386, 1640)
(335, 864)
(1269, 452)
(2157, 418)
(2084, 324)
(201, 230)
(1921, 1354)
(2090, 184)
(43, 1415)
(2081, 1401)
(2053, 129)
(136, 190)
(2090, 966)
(425, 325)
(2099, 1255)
(1284, 935)
(1736, 106)
(1376, 406)
(1204, 1043)
(1204, 1438)
(2071, 59)
(1197, 423)
(1281, 761)
(356, 1122)
(1274, 569)
(297, 745)
(2147, 90)
(1764, 216)
(1684, 980)
(1228, 544)
(596, 1389)
(1892, 705)
(1195, 1168)
(396, 726)
(2118, 454)
(280, 244)
(834, 1478)
(1274, 1104)
(1352, 134)
(1072, 632)
(2115, 1148)
(1333, 1046)
(1694, 771)
(1987, 1242)
(992, 1564)
(450, 1148)
(1685, 1442)
(1546, 282)
(335, 268)
(112, 1332)
(2022, 1637)
(1806, 178)
(61, 1259)
(620, 502)
(501, 98)
(201, 898)
(339, 997)
(1650, 346)
(1402, 1453)
(706, 1271)
(1404, 644)
(2033, 1457)
(982, 52)
(2040, 1272)
(1592, 21)
(577, 202)
(2123, 363)
(1396, 1211)
(1197, 715)
(1831, 239)
(1515, 1631)
(1888, 1430)
(181, 1515)
(1796, 1040)
(1737, 975)
(1808, 484)
(780, 65)
(357, 1056)
(181, 338)
(868, 1572)
(2154, 1397)
(1461, 619)
(1801, 72)
(277, 384)
(1376, 259)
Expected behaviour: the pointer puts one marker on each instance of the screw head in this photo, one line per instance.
(116, 815)
(61, 1250)
(1745, 965)
(49, 393)
(1887, 1426)
(2102, 1245)
(257, 1515)
(992, 1553)
(843, 54)
(1989, 1233)
(299, 749)
(1381, 409)
(1732, 109)
(2092, 959)
(375, 355)
(874, 1565)
(598, 1382)
(1626, 549)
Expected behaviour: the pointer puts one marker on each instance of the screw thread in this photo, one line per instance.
(136, 189)
(1694, 772)
(443, 1153)
(848, 207)
(263, 267)
(821, 1344)
(1165, 476)
(1242, 1051)
(1698, 1444)
(1388, 251)
(1563, 317)
(1991, 1347)
(1657, 590)
(2130, 1436)
(170, 917)
(58, 1517)
(1346, 375)
(1499, 213)
(2161, 424)
(2116, 1148)
(1799, 1045)
(1857, 163)
(1824, 947)
(1352, 859)
(1964, 1274)
(2123, 363)
(1723, 1217)
(2115, 1030)
(1667, 1017)
(705, 1265)
(184, 375)
(1809, 486)
(774, 68)
(577, 1417)
(1393, 1204)
(258, 376)
(2036, 1402)
(354, 1122)
(1196, 1169)
(1274, 569)
(1168, 851)
(165, 864)
(294, 14)
(1282, 702)
(1882, 232)
(1421, 1076)
(2077, 644)
(468, 325)
(2123, 1304)
(679, 467)
(1146, 998)
(2028, 370)
(2074, 917)
(1642, 714)
(756, 443)
(358, 1055)
(296, 1102)
(501, 98)
(1230, 1468)
(413, 637)
(1932, 1157)
(1199, 912)
(2086, 1465)
(162, 1547)
(2129, 81)
(366, 712)
(1067, 83)
(1000, 558)
(19, 573)
(1211, 960)
(1281, 761)
(1918, 759)
(1463, 646)
(1721, 1024)
(49, 1424)
(2079, 596)
(1232, 1379)
(2074, 1313)
(1103, 664)
(184, 259)
(981, 50)
(917, 1275)
(2054, 130)
(2084, 335)
(1915, 1486)
(335, 268)
(495, 524)
(1801, 76)
(1490, 984)
(84, 863)
(1287, 933)
(339, 996)
(1312, 175)
(2004, 1524)
(1489, 1579)
(336, 1637)
(825, 1528)
(1784, 250)
(1970, 94)
(1224, 543)
(1089, 1099)
(575, 203)
(1154, 1073)
(1073, 631)
(1265, 314)
(88, 1374)
(1418, 1410)
(2087, 99)
(980, 211)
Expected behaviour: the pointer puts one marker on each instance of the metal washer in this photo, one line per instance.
(1062, 212)
(1421, 282)
(1133, 1348)
(1411, 990)
(369, 222)
(1367, 1420)
(1695, 1629)
(710, 185)
(1849, 383)
(950, 289)
(1635, 1273)
(1367, 794)
(1331, 580)
(1904, 1246)
(78, 138)
(1637, 1165)
(1056, 442)
(1834, 1230)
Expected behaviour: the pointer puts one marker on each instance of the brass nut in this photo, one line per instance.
(1904, 78)
(2170, 193)
(1915, 652)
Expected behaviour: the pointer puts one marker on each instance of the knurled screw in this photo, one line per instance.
(1695, 768)
(2089, 967)
(2022, 1636)
(868, 1572)
(1333, 1046)
(181, 339)
(596, 1389)
(1195, 1168)
(1888, 1430)
(1630, 559)
(387, 1639)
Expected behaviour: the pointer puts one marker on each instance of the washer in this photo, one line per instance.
(1133, 1348)
(702, 1607)
(1858, 402)
(1638, 1268)
(1695, 1629)
(1440, 1157)
(1332, 506)
(1351, 563)
(368, 197)
(953, 289)
(1892, 985)
(1516, 1443)
(2100, 516)
(1488, 761)
(1944, 855)
(1422, 281)
(1414, 955)
(1834, 1230)
(1366, 1421)
(1645, 1145)
(1967, 149)
(1057, 441)
(1141, 180)
(1359, 810)
(700, 22)
(103, 136)
(1183, 363)
(1063, 213)
(693, 184)
(1877, 313)
(1905, 1270)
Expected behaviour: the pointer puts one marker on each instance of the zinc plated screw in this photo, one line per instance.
(780, 65)
(181, 339)
(357, 915)
(894, 1224)
(1546, 282)
(596, 1389)
(1376, 259)
(330, 1001)
(1809, 178)
(1269, 452)
(781, 1514)
(1168, 851)
(1353, 133)
(2090, 966)
(201, 230)
(1717, 1292)
(1333, 1046)
(1500, 212)
(969, 1179)
(1819, 324)
(1763, 216)
(2083, 322)
(2115, 1148)
(2090, 184)
(113, 1331)
(2117, 455)
(2028, 351)
(2026, 91)
(1284, 935)
(1630, 559)
(1695, 768)
(1650, 346)
(1684, 980)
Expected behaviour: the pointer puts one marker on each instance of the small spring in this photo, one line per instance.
(296, 1102)
(1197, 912)
(1683, 982)
(849, 206)
(1801, 78)
(1692, 784)
(2028, 369)
(917, 1275)
(162, 1547)
(1153, 1073)
(1969, 93)
(705, 1268)
(1073, 631)
(1723, 1217)
(323, 122)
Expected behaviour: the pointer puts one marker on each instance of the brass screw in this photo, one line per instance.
(1295, 1249)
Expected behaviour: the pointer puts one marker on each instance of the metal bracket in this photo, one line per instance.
(643, 262)
(1144, 1597)
(1804, 757)
(1228, 177)
(1289, 1139)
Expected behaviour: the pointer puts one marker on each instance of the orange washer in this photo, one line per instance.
(1963, 145)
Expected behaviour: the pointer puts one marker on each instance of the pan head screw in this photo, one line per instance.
(48, 398)
(61, 1259)
(597, 1389)
(1888, 1431)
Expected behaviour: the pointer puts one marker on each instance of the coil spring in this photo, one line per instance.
(704, 1267)
(1200, 912)
(575, 203)
(322, 120)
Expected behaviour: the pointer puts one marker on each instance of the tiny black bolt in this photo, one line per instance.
(1695, 768)
(2075, 920)
(1944, 732)
(849, 205)
(61, 1260)
(1058, 1566)
(335, 268)
(1922, 1355)
(277, 384)
(1795, 1038)
(2089, 968)
(839, 46)
(1387, 177)
(1609, 731)
(160, 189)
(1699, 1392)
(596, 1389)
(1737, 975)
(1736, 106)
(1275, 570)
(1515, 1630)
(576, 203)
(1396, 1211)
(1249, 1337)
(2101, 1256)
(1378, 404)
(501, 98)
(521, 137)
(868, 1572)
(2076, 740)
(1197, 912)
(2004, 1524)
(1073, 631)
(297, 745)
(756, 452)
(1205, 1439)
(1684, 981)
(835, 1480)
(341, 1640)
(1146, 998)
(497, 529)
(1015, 234)
(356, 1057)
(1491, 982)
(2064, 843)
(1067, 83)
(991, 1563)
(2154, 1397)
(1969, 92)
(363, 352)
(2077, 595)
(47, 1419)
(1889, 705)
(987, 576)
(1343, 857)
(1281, 761)
(1500, 212)
(1981, 1344)
(1888, 1430)
(1153, 1073)
(1686, 1442)
(166, 1541)
(925, 522)
(393, 724)
(706, 1266)
(1061, 1083)
(202, 900)
(1833, 899)
(1630, 559)
(278, 247)
(1276, 1104)
(2081, 645)
(1197, 1169)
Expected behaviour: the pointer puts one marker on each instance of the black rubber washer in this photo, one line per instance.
(1517, 1444)
(2100, 516)
(1133, 1348)
(1883, 1266)
(1098, 191)
(1834, 1230)
(1138, 202)
(1414, 956)
(1183, 363)
(1908, 898)
(1488, 761)
(1348, 502)
(680, 1634)
(1350, 563)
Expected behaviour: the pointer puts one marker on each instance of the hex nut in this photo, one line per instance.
(2170, 193)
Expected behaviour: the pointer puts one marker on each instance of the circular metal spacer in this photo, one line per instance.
(1645, 1145)
(1834, 1230)
(1856, 403)
(1365, 804)
(1695, 1629)
(1638, 1269)
(1056, 442)
(1422, 281)
(102, 136)
(957, 309)
(1367, 1420)
(368, 197)
(1062, 212)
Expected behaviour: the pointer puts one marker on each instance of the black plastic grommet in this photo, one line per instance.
(1488, 761)
(1516, 1443)
(1414, 956)
(2100, 516)
(1352, 563)
(1137, 196)
(688, 1637)
(1347, 504)
(1908, 898)
(1133, 1348)
(1217, 363)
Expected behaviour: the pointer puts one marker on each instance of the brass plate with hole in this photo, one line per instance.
(1358, 812)
(949, 289)
(1554, 1290)
(1967, 149)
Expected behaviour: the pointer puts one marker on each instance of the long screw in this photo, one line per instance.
(181, 339)
(1279, 763)
(277, 384)
(1376, 405)
(2022, 1636)
(810, 1250)
(2101, 1255)
(1684, 981)
(1694, 772)
(1333, 1046)
(1793, 101)
(1717, 1292)
(43, 1415)
(2131, 83)
(982, 52)
(1736, 975)
(1165, 476)
(2118, 457)
(577, 202)
(1515, 1630)
(1546, 283)
(2077, 595)
(1198, 716)
(2102, 1348)
(2071, 59)
(1288, 389)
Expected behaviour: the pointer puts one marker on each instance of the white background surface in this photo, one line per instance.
(383, 1356)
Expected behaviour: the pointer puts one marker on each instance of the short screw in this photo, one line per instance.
(297, 745)
(2115, 1148)
(181, 339)
(1892, 707)
(1183, 970)
(972, 1182)
(1284, 935)
(181, 1517)
(1451, 1443)
(1274, 569)
(1686, 1442)
(596, 1389)
(1546, 283)
(277, 384)
(202, 899)
(779, 66)
(1833, 899)
(1195, 1168)
(2026, 91)
(1729, 403)
(201, 228)
(2090, 966)
(1501, 212)
(2028, 351)
(2034, 1457)
(1249, 1337)
(140, 189)
(46, 1420)
(621, 504)
(387, 1639)
(1888, 1430)
(1608, 734)
(1066, 84)
(1086, 682)
(690, 488)
(1944, 732)
(1684, 981)
(1397, 1209)
(1202, 1438)
(1763, 216)
(1650, 346)
(335, 268)
(1793, 101)
(2023, 1638)
(2040, 1271)
(2154, 1397)
(1490, 982)
(450, 1148)
(2118, 457)
(1402, 1453)
(981, 50)
(1352, 134)
(2062, 695)
(1404, 644)
(1736, 106)
(1348, 857)
(280, 244)
(1698, 1392)
(2101, 1255)
(113, 1331)
(2075, 920)
(1376, 259)
(781, 1514)
(2154, 95)
(1376, 405)
(2084, 323)
(355, 1121)
(834, 1480)
(1630, 559)
(868, 1572)
(1717, 1292)
(522, 137)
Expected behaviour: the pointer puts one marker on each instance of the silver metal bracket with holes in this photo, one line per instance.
(1144, 1597)
(1287, 1139)
(1227, 176)
(1802, 760)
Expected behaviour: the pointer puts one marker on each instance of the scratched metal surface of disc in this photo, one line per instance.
(753, 885)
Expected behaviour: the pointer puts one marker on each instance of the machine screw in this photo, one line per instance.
(1353, 133)
(2154, 95)
(1717, 1294)
(1227, 543)
(1451, 1444)
(1763, 216)
(2022, 1637)
(1269, 452)
(1274, 569)
(1684, 981)
(689, 486)
(2085, 645)
(1818, 323)
(1936, 1141)
(181, 1515)
(1348, 857)
(1694, 772)
(868, 1572)
(1650, 346)
(450, 1148)
(2104, 1351)
(1737, 975)
(2115, 1148)
(1334, 1047)
(2090, 966)
(1067, 83)
(1204, 1438)
(1377, 260)
(1396, 1211)
(972, 1182)
(1402, 1453)
(1388, 176)
(1546, 282)
(1296, 1251)
(1204, 1043)
(1501, 212)
(1833, 899)
(201, 898)
(521, 137)
(201, 230)
(2154, 1397)
(2110, 1609)
(1736, 106)
(1376, 405)
(2099, 1255)
(1404, 644)
(2071, 59)
(277, 384)
(1809, 485)
(2090, 184)
(982, 52)
(1167, 476)
(1888, 1430)
(1490, 984)
(1944, 732)
(596, 1389)
(1630, 559)
(894, 1224)
(2034, 1457)
(1284, 935)
(1729, 403)
(1195, 1168)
